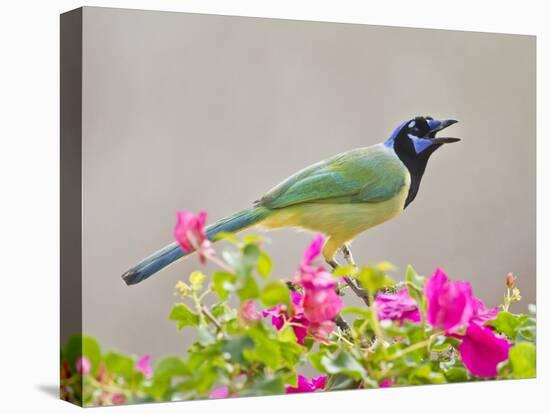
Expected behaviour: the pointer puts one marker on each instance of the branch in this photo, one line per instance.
(361, 293)
(211, 318)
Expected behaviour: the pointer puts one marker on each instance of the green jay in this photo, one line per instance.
(340, 197)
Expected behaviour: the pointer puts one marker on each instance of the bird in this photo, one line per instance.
(340, 197)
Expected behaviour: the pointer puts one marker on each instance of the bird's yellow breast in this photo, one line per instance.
(341, 222)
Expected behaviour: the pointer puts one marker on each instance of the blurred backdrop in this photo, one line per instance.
(205, 112)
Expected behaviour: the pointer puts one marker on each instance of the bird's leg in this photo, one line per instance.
(351, 283)
(347, 255)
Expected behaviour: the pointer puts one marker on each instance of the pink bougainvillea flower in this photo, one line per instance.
(219, 392)
(314, 310)
(481, 351)
(312, 251)
(321, 330)
(279, 314)
(118, 399)
(386, 383)
(189, 232)
(397, 307)
(83, 365)
(321, 304)
(307, 385)
(449, 303)
(249, 313)
(481, 313)
(144, 366)
(310, 276)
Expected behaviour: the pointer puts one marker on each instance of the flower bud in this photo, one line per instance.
(510, 280)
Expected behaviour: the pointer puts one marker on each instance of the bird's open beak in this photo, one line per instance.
(441, 126)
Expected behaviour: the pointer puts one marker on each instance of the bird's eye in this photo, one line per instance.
(415, 131)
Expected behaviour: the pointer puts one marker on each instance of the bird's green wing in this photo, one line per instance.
(364, 175)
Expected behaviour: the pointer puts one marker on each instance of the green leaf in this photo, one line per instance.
(204, 336)
(249, 289)
(357, 311)
(266, 350)
(223, 283)
(171, 366)
(234, 348)
(373, 279)
(271, 386)
(523, 360)
(166, 369)
(456, 374)
(527, 331)
(275, 293)
(340, 382)
(440, 344)
(253, 239)
(78, 346)
(292, 352)
(197, 279)
(507, 323)
(343, 363)
(425, 375)
(415, 284)
(119, 364)
(92, 351)
(234, 260)
(348, 270)
(230, 237)
(287, 335)
(264, 265)
(315, 359)
(251, 254)
(183, 315)
(290, 378)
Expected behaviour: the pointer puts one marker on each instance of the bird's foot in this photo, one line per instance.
(346, 251)
(362, 293)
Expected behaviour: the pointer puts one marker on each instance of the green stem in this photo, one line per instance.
(414, 347)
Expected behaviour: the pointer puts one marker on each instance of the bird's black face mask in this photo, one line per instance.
(414, 141)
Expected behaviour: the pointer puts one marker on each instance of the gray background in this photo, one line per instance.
(208, 112)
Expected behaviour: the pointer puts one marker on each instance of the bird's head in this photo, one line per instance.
(413, 142)
(416, 138)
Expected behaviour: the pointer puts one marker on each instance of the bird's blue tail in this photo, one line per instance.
(169, 254)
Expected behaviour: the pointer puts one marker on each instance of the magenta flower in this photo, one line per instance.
(481, 313)
(313, 311)
(144, 366)
(83, 365)
(249, 313)
(279, 314)
(397, 307)
(481, 351)
(189, 232)
(307, 385)
(118, 399)
(449, 303)
(312, 251)
(321, 330)
(219, 392)
(321, 303)
(386, 383)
